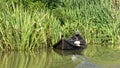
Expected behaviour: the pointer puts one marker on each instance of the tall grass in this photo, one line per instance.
(29, 24)
(94, 19)
(26, 29)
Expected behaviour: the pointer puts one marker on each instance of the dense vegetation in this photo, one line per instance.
(29, 24)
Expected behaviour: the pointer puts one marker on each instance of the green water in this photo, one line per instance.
(90, 58)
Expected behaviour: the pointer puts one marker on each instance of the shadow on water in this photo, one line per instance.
(94, 57)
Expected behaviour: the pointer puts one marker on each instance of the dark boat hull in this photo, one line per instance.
(68, 44)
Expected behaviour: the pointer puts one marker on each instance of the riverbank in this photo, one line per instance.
(39, 24)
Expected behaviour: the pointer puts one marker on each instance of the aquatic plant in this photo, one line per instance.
(32, 24)
(25, 29)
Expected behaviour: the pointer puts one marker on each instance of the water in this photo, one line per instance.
(59, 59)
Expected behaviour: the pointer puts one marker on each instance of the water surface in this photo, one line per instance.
(60, 59)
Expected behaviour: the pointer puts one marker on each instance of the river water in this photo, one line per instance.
(53, 58)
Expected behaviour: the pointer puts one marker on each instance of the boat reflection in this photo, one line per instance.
(75, 54)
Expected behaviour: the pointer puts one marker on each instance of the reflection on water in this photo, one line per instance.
(38, 59)
(88, 65)
(55, 59)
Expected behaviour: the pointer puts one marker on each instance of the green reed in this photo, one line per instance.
(29, 25)
(94, 19)
(24, 29)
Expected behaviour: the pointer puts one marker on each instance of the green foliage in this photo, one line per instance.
(29, 24)
(24, 29)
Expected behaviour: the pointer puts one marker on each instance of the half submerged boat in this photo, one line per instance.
(72, 43)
